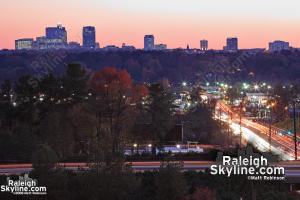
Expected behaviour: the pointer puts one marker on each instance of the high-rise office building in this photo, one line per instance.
(56, 37)
(203, 45)
(149, 42)
(278, 46)
(89, 37)
(231, 44)
(24, 44)
(58, 32)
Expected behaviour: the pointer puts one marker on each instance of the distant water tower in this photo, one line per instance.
(203, 45)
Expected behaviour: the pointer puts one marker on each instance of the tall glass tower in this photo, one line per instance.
(89, 37)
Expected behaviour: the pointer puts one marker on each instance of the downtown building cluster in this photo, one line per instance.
(57, 38)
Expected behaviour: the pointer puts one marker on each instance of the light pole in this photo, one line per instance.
(270, 125)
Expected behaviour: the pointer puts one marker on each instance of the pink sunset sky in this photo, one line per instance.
(174, 22)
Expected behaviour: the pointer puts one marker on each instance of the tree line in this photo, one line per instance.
(91, 115)
(175, 65)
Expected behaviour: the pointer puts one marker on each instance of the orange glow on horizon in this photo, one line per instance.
(128, 21)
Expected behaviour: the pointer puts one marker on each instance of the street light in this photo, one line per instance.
(245, 86)
(273, 104)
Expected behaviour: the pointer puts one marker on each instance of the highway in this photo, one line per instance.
(136, 166)
(292, 168)
(258, 134)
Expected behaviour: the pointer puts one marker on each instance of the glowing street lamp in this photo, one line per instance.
(273, 104)
(245, 86)
(184, 84)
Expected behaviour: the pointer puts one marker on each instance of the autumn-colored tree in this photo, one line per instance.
(112, 89)
(109, 81)
(139, 92)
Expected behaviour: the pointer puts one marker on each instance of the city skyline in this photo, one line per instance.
(181, 24)
(56, 38)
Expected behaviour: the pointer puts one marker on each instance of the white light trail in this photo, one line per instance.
(259, 142)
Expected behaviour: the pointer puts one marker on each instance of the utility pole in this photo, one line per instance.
(228, 128)
(295, 130)
(182, 129)
(270, 129)
(241, 124)
(253, 190)
(270, 124)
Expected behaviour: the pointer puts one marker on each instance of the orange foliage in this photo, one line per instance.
(139, 91)
(110, 80)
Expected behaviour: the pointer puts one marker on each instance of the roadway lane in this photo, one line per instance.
(136, 166)
(292, 168)
(282, 145)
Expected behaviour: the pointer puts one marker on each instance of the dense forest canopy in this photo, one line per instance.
(176, 65)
